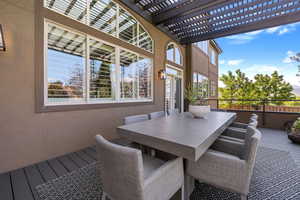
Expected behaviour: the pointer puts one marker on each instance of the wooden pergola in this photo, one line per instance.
(189, 21)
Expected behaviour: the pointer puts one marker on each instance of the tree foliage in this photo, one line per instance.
(263, 87)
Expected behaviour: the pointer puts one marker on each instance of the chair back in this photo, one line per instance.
(135, 119)
(155, 115)
(252, 140)
(121, 170)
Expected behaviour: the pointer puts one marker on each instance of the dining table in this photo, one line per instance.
(180, 134)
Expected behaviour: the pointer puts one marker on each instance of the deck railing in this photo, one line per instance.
(262, 106)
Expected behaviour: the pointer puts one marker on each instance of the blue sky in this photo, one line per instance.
(262, 52)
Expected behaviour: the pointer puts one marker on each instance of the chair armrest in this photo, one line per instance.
(239, 125)
(228, 146)
(235, 132)
(166, 180)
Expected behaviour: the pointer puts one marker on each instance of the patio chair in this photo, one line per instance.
(158, 114)
(128, 174)
(135, 118)
(237, 131)
(225, 170)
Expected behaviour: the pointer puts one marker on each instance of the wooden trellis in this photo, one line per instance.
(191, 21)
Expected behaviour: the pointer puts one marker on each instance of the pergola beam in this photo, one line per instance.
(268, 23)
(186, 9)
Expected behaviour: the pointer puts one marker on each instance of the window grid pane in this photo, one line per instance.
(103, 16)
(102, 71)
(66, 75)
(66, 65)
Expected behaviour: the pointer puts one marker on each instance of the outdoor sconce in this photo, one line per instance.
(162, 74)
(2, 43)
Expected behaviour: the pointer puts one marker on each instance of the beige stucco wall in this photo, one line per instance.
(28, 137)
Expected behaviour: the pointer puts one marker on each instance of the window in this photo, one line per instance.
(82, 69)
(174, 54)
(200, 82)
(213, 88)
(203, 46)
(106, 16)
(213, 57)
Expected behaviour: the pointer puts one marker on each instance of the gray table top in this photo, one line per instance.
(181, 135)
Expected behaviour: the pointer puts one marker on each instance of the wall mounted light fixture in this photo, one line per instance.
(162, 74)
(2, 43)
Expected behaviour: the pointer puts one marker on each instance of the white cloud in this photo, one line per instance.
(261, 69)
(247, 37)
(234, 62)
(273, 30)
(288, 59)
(222, 62)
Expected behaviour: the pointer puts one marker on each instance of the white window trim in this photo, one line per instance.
(85, 100)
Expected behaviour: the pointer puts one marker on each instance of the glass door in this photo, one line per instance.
(173, 90)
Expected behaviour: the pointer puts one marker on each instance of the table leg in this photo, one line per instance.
(189, 185)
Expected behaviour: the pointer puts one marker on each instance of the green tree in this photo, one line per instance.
(237, 86)
(264, 87)
(272, 87)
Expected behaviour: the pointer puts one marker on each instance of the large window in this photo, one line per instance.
(174, 54)
(213, 57)
(203, 45)
(213, 88)
(200, 83)
(106, 16)
(82, 69)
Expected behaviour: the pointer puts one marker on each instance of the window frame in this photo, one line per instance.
(174, 53)
(85, 100)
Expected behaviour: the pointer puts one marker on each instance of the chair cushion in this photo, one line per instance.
(231, 128)
(232, 139)
(151, 164)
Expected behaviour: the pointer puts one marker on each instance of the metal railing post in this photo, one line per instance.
(264, 112)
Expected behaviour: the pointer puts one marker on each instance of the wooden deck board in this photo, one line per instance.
(77, 160)
(58, 167)
(34, 179)
(5, 187)
(85, 157)
(68, 163)
(46, 171)
(21, 188)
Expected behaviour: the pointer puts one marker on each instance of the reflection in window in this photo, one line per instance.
(66, 64)
(102, 70)
(108, 78)
(103, 16)
(174, 54)
(145, 41)
(127, 27)
(213, 88)
(201, 85)
(145, 77)
(73, 9)
(212, 57)
(129, 76)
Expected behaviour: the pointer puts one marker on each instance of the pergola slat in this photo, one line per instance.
(191, 21)
(195, 5)
(272, 22)
(266, 12)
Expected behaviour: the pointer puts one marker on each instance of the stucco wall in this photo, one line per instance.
(28, 137)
